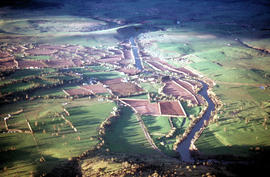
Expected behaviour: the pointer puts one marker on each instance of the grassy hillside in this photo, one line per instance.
(126, 135)
(53, 140)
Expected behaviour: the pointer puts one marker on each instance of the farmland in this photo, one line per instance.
(126, 136)
(53, 138)
(238, 86)
(133, 88)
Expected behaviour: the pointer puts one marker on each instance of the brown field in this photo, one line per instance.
(59, 63)
(200, 99)
(119, 87)
(97, 88)
(172, 108)
(4, 54)
(112, 60)
(7, 64)
(186, 85)
(143, 107)
(125, 62)
(125, 89)
(172, 88)
(77, 62)
(41, 51)
(77, 92)
(116, 51)
(186, 71)
(129, 71)
(51, 47)
(127, 54)
(158, 66)
(172, 68)
(28, 64)
(112, 81)
(193, 83)
(167, 108)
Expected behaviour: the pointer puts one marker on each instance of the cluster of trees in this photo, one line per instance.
(192, 124)
(104, 125)
(14, 96)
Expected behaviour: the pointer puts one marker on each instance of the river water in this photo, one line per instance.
(183, 147)
(135, 54)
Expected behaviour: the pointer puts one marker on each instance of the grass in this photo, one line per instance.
(57, 91)
(138, 97)
(151, 87)
(103, 75)
(240, 124)
(17, 87)
(25, 80)
(191, 110)
(159, 127)
(98, 68)
(238, 71)
(20, 74)
(39, 57)
(126, 135)
(56, 141)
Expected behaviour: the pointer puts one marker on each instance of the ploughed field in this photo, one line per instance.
(165, 108)
(172, 108)
(63, 77)
(175, 89)
(61, 118)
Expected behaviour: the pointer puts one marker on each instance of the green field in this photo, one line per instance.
(149, 87)
(239, 72)
(145, 96)
(53, 139)
(20, 74)
(126, 135)
(227, 42)
(103, 75)
(159, 127)
(39, 57)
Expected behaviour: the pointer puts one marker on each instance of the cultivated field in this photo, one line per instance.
(241, 77)
(175, 89)
(69, 84)
(120, 88)
(165, 108)
(95, 89)
(172, 108)
(54, 140)
(143, 106)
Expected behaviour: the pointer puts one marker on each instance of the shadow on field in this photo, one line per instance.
(125, 136)
(67, 168)
(256, 164)
(149, 122)
(103, 76)
(26, 159)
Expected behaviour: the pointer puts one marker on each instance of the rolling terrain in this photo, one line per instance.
(134, 88)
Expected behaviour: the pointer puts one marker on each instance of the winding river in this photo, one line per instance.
(183, 147)
(137, 59)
